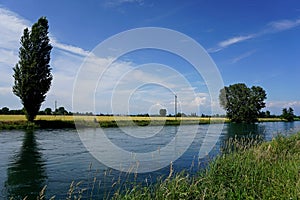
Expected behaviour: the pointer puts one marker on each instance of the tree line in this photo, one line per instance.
(47, 111)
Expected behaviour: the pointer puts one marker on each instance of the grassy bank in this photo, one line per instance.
(269, 170)
(61, 121)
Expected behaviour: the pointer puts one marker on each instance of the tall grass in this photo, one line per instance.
(256, 171)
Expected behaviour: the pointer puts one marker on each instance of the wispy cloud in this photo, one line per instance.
(240, 57)
(277, 106)
(137, 90)
(117, 3)
(283, 104)
(272, 27)
(234, 40)
(69, 48)
(11, 29)
(282, 25)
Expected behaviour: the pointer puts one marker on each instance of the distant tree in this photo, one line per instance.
(288, 114)
(17, 112)
(32, 73)
(48, 111)
(242, 104)
(180, 115)
(41, 112)
(5, 110)
(163, 112)
(193, 114)
(61, 111)
(262, 114)
(268, 114)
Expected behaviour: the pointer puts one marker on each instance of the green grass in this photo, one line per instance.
(259, 171)
(37, 124)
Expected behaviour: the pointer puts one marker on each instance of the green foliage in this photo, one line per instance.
(163, 112)
(268, 114)
(253, 171)
(48, 111)
(241, 103)
(7, 111)
(61, 111)
(4, 110)
(288, 114)
(32, 73)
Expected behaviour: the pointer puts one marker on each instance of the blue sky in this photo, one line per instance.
(254, 42)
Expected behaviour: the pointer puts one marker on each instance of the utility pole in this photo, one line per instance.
(175, 107)
(55, 107)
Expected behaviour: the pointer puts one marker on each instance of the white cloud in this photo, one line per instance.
(277, 106)
(234, 40)
(5, 90)
(11, 28)
(199, 101)
(69, 48)
(282, 25)
(283, 104)
(140, 89)
(272, 27)
(244, 55)
(8, 57)
(117, 3)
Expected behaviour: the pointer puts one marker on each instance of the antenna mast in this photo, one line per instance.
(175, 107)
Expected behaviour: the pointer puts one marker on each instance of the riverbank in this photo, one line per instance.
(8, 122)
(258, 171)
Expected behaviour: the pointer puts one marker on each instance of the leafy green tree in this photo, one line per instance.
(48, 111)
(288, 114)
(268, 114)
(32, 73)
(242, 104)
(163, 112)
(61, 111)
(5, 110)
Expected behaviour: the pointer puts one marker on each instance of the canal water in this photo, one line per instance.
(30, 160)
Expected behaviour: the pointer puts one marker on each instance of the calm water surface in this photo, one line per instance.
(31, 160)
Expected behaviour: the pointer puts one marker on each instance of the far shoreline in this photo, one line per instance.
(11, 122)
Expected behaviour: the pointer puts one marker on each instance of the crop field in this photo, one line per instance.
(204, 120)
(107, 118)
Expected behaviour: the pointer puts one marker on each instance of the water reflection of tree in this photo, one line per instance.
(26, 173)
(288, 127)
(242, 134)
(245, 130)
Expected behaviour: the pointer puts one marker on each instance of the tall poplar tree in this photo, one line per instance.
(32, 73)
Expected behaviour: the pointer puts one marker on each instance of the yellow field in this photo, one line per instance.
(6, 118)
(270, 119)
(102, 118)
